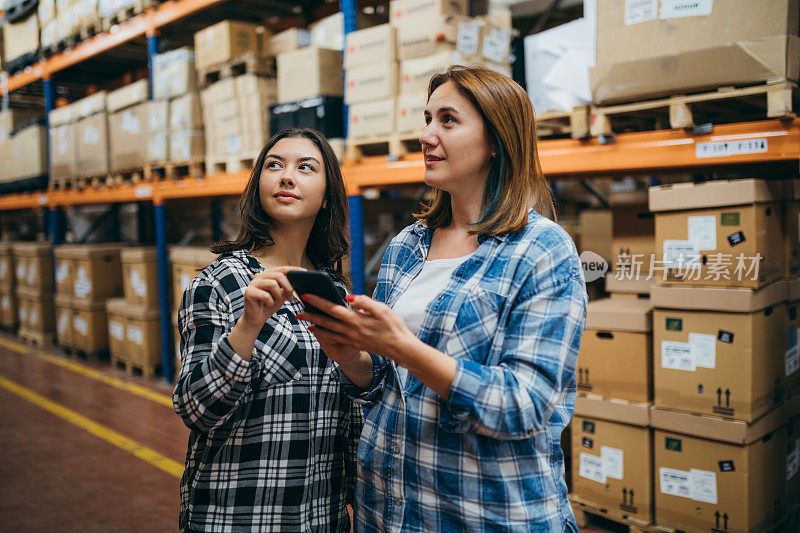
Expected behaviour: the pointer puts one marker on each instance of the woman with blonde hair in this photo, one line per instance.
(466, 355)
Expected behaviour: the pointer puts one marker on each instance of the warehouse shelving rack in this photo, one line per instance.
(769, 142)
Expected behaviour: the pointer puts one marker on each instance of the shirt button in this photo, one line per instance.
(397, 447)
(398, 502)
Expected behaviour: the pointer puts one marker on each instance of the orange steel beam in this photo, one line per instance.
(223, 184)
(9, 202)
(174, 10)
(106, 195)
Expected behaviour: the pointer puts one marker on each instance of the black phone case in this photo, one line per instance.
(316, 283)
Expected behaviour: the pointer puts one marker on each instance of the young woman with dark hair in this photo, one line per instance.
(273, 437)
(467, 352)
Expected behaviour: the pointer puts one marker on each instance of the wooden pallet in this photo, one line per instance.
(587, 514)
(778, 99)
(127, 13)
(174, 171)
(92, 356)
(130, 176)
(237, 163)
(555, 124)
(35, 338)
(248, 63)
(147, 371)
(393, 145)
(90, 28)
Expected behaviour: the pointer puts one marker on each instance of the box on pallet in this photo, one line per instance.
(8, 307)
(63, 151)
(7, 263)
(97, 269)
(115, 309)
(224, 41)
(92, 133)
(411, 112)
(405, 11)
(721, 233)
(187, 262)
(64, 321)
(128, 137)
(613, 466)
(186, 145)
(34, 265)
(309, 72)
(140, 276)
(20, 38)
(719, 475)
(371, 82)
(329, 31)
(370, 46)
(288, 41)
(692, 46)
(141, 347)
(185, 113)
(616, 350)
(36, 312)
(174, 73)
(128, 95)
(158, 131)
(29, 152)
(415, 74)
(89, 325)
(426, 37)
(371, 118)
(11, 119)
(46, 11)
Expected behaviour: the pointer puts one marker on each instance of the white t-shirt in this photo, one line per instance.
(428, 283)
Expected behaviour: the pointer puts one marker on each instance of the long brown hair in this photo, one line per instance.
(328, 243)
(516, 182)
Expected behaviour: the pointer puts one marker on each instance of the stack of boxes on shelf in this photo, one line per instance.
(175, 122)
(127, 126)
(33, 268)
(234, 108)
(23, 151)
(187, 262)
(8, 295)
(86, 276)
(20, 34)
(91, 135)
(134, 321)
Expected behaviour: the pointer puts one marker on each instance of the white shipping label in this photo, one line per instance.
(681, 254)
(5, 303)
(32, 273)
(677, 356)
(674, 482)
(469, 37)
(33, 317)
(234, 144)
(62, 272)
(672, 9)
(703, 486)
(23, 314)
(702, 232)
(591, 467)
(792, 360)
(497, 44)
(728, 148)
(637, 11)
(135, 335)
(704, 349)
(20, 270)
(131, 123)
(612, 462)
(91, 136)
(80, 325)
(3, 268)
(83, 287)
(116, 330)
(63, 323)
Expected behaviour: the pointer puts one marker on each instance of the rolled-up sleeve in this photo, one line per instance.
(515, 399)
(213, 378)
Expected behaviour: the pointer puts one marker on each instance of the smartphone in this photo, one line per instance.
(316, 283)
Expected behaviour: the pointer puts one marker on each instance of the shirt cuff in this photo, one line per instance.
(371, 394)
(465, 387)
(230, 364)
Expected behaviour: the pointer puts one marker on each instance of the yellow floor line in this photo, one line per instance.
(83, 370)
(161, 462)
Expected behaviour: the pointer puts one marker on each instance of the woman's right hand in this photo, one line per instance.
(265, 294)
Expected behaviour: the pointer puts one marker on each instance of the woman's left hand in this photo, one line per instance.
(370, 326)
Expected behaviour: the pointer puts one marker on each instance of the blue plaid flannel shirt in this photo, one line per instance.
(488, 457)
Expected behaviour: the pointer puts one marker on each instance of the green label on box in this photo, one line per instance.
(674, 324)
(588, 427)
(729, 219)
(673, 444)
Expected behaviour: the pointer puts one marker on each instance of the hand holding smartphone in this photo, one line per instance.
(316, 283)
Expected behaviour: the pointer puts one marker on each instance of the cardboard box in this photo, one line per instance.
(63, 151)
(705, 485)
(158, 147)
(791, 354)
(29, 152)
(93, 145)
(11, 119)
(185, 113)
(34, 265)
(615, 357)
(369, 83)
(403, 11)
(187, 262)
(89, 325)
(174, 73)
(411, 112)
(127, 96)
(426, 37)
(7, 264)
(186, 145)
(613, 467)
(701, 46)
(37, 313)
(143, 338)
(64, 321)
(328, 32)
(791, 239)
(377, 44)
(46, 11)
(597, 232)
(8, 307)
(718, 363)
(250, 85)
(612, 409)
(619, 283)
(224, 41)
(720, 298)
(116, 309)
(309, 72)
(415, 74)
(65, 273)
(289, 41)
(158, 116)
(707, 232)
(97, 269)
(372, 118)
(140, 276)
(20, 38)
(128, 137)
(95, 103)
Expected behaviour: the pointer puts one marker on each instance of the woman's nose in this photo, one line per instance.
(427, 136)
(287, 181)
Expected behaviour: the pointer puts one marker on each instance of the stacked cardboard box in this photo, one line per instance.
(127, 125)
(227, 40)
(63, 143)
(307, 72)
(22, 146)
(72, 15)
(48, 23)
(86, 277)
(34, 289)
(21, 38)
(8, 297)
(133, 321)
(719, 339)
(91, 134)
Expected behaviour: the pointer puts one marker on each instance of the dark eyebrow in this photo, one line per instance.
(301, 160)
(446, 109)
(279, 158)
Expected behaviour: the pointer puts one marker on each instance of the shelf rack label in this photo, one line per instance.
(727, 148)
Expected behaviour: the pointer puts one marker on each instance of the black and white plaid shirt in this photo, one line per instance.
(273, 441)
